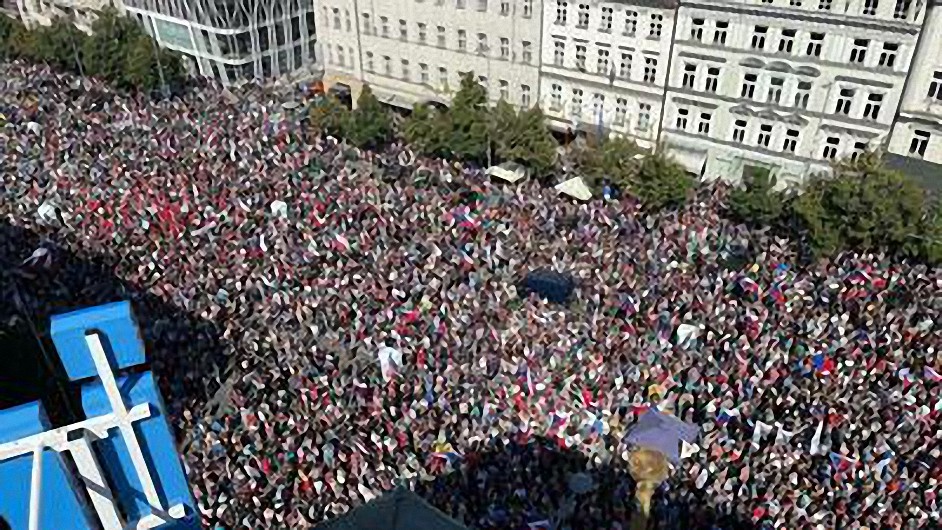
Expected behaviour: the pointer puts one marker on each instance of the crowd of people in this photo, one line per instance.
(353, 325)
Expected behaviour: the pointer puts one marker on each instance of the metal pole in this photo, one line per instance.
(78, 61)
(35, 489)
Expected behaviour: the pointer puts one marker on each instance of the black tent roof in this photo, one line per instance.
(395, 510)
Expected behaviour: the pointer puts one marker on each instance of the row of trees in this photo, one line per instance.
(118, 51)
(474, 131)
(863, 205)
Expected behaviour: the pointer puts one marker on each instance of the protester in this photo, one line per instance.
(816, 390)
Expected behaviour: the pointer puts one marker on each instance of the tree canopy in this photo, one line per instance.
(369, 125)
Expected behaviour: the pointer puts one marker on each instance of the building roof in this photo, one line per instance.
(395, 510)
(926, 174)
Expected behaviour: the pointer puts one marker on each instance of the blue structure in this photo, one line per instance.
(127, 462)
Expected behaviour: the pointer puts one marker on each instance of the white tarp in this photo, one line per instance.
(576, 188)
(47, 212)
(508, 171)
(34, 127)
(390, 359)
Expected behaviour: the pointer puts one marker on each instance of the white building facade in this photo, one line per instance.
(233, 40)
(412, 51)
(42, 12)
(918, 129)
(604, 66)
(790, 86)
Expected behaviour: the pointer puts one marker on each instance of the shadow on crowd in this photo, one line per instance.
(40, 277)
(521, 485)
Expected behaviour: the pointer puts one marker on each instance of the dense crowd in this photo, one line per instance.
(300, 262)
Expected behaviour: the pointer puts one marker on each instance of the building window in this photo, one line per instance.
(748, 86)
(830, 148)
(504, 7)
(443, 77)
(787, 42)
(462, 40)
(657, 25)
(504, 48)
(556, 98)
(460, 4)
(482, 5)
(690, 75)
(775, 89)
(603, 62)
(621, 110)
(580, 57)
(561, 7)
(859, 149)
(919, 143)
(874, 102)
(794, 3)
(504, 88)
(583, 20)
(598, 106)
(527, 54)
(803, 94)
(384, 22)
(341, 59)
(482, 80)
(346, 19)
(682, 115)
(631, 23)
(527, 8)
(650, 69)
(825, 5)
(559, 53)
(369, 61)
(405, 70)
(696, 29)
(935, 86)
(525, 96)
(712, 79)
(605, 25)
(367, 26)
(403, 31)
(765, 134)
(387, 65)
(888, 55)
(336, 12)
(859, 52)
(704, 126)
(791, 141)
(644, 116)
(482, 44)
(844, 101)
(758, 37)
(870, 7)
(423, 73)
(441, 36)
(576, 103)
(901, 11)
(739, 131)
(814, 44)
(719, 34)
(624, 68)
(422, 31)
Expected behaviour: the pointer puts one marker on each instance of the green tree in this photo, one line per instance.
(22, 43)
(369, 125)
(329, 117)
(104, 53)
(755, 201)
(468, 122)
(862, 206)
(931, 236)
(523, 137)
(140, 64)
(612, 159)
(8, 27)
(659, 182)
(59, 45)
(426, 130)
